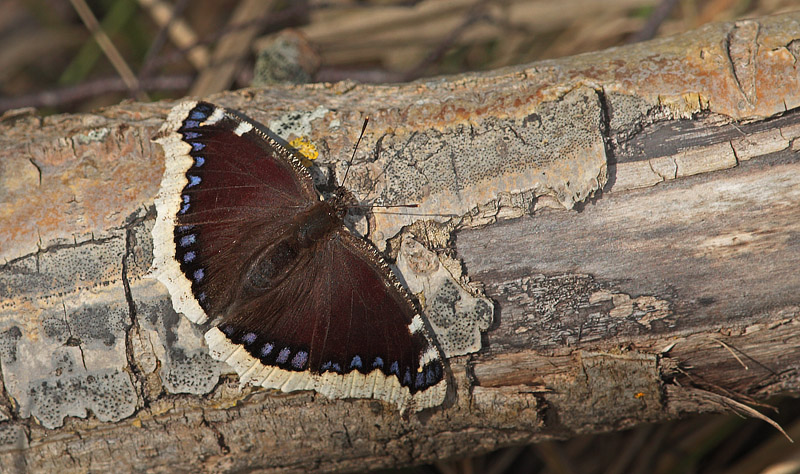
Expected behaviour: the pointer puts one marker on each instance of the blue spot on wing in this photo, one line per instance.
(265, 351)
(197, 146)
(199, 113)
(432, 374)
(189, 257)
(356, 363)
(193, 181)
(199, 161)
(198, 275)
(283, 356)
(407, 378)
(332, 366)
(187, 240)
(300, 359)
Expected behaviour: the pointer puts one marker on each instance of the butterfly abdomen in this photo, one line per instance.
(273, 265)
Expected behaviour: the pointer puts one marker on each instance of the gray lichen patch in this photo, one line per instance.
(161, 334)
(13, 437)
(456, 315)
(70, 358)
(61, 270)
(296, 124)
(184, 363)
(63, 326)
(8, 343)
(109, 394)
(557, 150)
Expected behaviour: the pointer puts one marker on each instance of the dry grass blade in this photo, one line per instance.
(737, 407)
(108, 48)
(179, 32)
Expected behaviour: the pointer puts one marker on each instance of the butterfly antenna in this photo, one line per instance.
(363, 129)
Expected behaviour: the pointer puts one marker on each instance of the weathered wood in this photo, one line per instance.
(632, 212)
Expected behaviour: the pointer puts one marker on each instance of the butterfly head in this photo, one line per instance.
(342, 200)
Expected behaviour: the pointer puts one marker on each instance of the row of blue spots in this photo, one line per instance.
(420, 380)
(357, 363)
(298, 361)
(189, 256)
(198, 114)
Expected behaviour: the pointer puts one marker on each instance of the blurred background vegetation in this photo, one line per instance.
(80, 55)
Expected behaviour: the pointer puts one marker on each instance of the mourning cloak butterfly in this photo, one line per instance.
(244, 240)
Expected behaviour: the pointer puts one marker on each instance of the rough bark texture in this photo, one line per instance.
(632, 212)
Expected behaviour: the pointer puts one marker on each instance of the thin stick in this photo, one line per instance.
(731, 351)
(108, 48)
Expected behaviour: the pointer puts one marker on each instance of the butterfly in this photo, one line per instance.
(243, 240)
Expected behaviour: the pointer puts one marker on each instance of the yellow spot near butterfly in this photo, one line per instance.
(639, 395)
(306, 149)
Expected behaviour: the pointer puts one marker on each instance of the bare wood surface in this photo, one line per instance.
(632, 212)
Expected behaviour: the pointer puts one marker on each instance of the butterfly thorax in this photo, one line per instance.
(274, 263)
(308, 227)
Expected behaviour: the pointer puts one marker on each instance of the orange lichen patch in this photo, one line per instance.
(306, 149)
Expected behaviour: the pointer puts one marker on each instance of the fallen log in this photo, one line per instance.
(632, 213)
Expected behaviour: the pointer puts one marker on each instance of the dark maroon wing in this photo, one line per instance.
(340, 310)
(242, 188)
